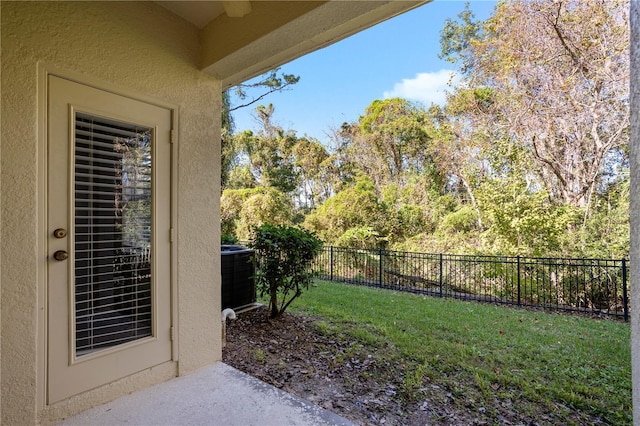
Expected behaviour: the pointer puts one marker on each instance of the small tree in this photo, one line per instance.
(284, 256)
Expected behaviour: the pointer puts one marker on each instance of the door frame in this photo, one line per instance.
(44, 71)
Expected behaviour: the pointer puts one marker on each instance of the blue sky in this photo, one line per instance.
(398, 57)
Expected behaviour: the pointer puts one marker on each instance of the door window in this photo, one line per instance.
(112, 197)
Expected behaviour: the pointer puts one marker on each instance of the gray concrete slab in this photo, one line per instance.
(215, 395)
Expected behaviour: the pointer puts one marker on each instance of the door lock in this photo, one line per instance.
(60, 255)
(60, 233)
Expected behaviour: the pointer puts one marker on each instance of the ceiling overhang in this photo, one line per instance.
(241, 39)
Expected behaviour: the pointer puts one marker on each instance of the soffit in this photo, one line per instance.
(199, 13)
(266, 34)
(324, 24)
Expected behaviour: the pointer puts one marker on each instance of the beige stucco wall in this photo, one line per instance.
(141, 49)
(635, 206)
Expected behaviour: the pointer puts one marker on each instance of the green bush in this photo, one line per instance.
(464, 219)
(228, 239)
(361, 237)
(284, 256)
(242, 209)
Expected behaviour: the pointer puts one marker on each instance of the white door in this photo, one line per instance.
(109, 205)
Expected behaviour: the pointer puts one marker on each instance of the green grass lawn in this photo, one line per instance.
(567, 368)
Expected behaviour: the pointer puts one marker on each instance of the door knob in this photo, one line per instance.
(60, 255)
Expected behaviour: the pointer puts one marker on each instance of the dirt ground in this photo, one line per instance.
(295, 354)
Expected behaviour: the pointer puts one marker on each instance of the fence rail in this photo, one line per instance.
(594, 286)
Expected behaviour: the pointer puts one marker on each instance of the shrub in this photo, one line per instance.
(228, 239)
(464, 219)
(284, 256)
(361, 237)
(356, 206)
(242, 209)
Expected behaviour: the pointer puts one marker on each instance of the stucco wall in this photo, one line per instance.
(635, 206)
(139, 47)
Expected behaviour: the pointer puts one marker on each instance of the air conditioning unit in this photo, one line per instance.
(238, 277)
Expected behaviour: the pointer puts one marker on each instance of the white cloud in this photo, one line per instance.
(425, 87)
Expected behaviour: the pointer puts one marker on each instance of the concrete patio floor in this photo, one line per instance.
(215, 395)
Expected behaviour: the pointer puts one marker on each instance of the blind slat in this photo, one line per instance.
(84, 315)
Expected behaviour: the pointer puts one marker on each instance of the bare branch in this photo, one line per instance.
(274, 89)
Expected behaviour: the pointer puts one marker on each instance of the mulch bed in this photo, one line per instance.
(339, 374)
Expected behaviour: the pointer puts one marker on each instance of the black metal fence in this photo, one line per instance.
(593, 286)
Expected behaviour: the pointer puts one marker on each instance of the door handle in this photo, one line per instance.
(60, 255)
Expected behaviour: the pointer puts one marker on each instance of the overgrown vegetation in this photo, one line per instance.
(495, 362)
(284, 255)
(528, 156)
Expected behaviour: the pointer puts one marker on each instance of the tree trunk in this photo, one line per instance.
(273, 303)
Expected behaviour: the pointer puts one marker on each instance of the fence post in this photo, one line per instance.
(380, 271)
(440, 274)
(331, 263)
(518, 280)
(625, 296)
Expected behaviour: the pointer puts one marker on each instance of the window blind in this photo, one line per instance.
(112, 236)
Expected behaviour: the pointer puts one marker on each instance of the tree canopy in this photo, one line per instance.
(528, 155)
